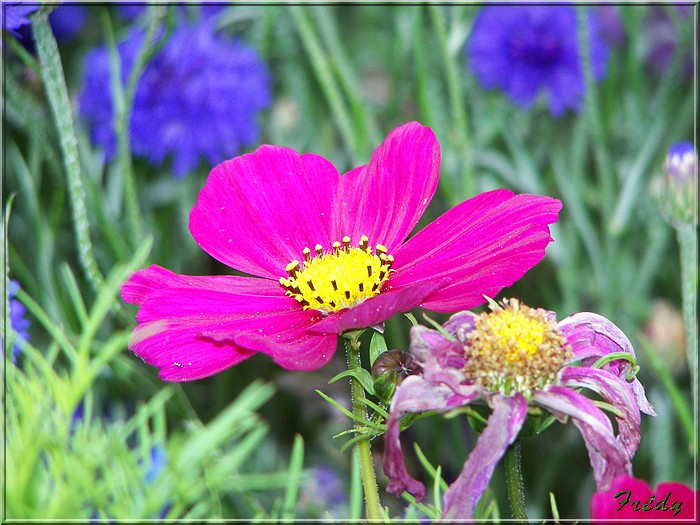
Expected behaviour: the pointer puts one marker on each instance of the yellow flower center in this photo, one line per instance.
(515, 348)
(340, 278)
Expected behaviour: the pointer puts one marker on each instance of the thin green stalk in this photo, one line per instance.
(422, 74)
(123, 98)
(680, 405)
(459, 114)
(24, 55)
(593, 115)
(367, 132)
(369, 480)
(57, 93)
(514, 480)
(633, 184)
(296, 463)
(322, 68)
(355, 497)
(688, 241)
(582, 222)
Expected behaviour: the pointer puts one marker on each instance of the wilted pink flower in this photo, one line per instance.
(513, 357)
(328, 255)
(630, 499)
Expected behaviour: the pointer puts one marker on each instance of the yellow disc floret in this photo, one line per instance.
(340, 278)
(515, 348)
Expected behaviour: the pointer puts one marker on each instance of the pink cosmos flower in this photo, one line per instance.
(518, 359)
(326, 254)
(630, 499)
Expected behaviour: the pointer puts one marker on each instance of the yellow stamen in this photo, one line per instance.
(515, 348)
(340, 278)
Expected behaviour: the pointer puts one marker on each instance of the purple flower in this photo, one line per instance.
(67, 20)
(323, 492)
(18, 322)
(511, 358)
(526, 49)
(198, 97)
(611, 28)
(16, 15)
(662, 39)
(680, 189)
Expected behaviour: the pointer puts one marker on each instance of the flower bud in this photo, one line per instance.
(389, 370)
(680, 190)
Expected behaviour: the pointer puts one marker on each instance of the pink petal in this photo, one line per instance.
(605, 504)
(441, 361)
(593, 336)
(632, 500)
(479, 247)
(188, 326)
(257, 212)
(608, 458)
(502, 428)
(385, 199)
(144, 283)
(614, 391)
(180, 354)
(376, 309)
(688, 498)
(296, 348)
(415, 394)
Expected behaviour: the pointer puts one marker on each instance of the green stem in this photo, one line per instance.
(369, 480)
(422, 76)
(514, 480)
(593, 115)
(679, 402)
(459, 114)
(323, 68)
(122, 98)
(366, 129)
(688, 241)
(57, 94)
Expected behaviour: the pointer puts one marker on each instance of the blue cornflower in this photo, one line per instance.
(16, 15)
(19, 324)
(67, 21)
(199, 96)
(524, 49)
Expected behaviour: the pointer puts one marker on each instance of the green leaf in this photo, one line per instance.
(437, 497)
(432, 471)
(411, 318)
(359, 373)
(553, 504)
(296, 462)
(57, 93)
(377, 346)
(439, 328)
(359, 420)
